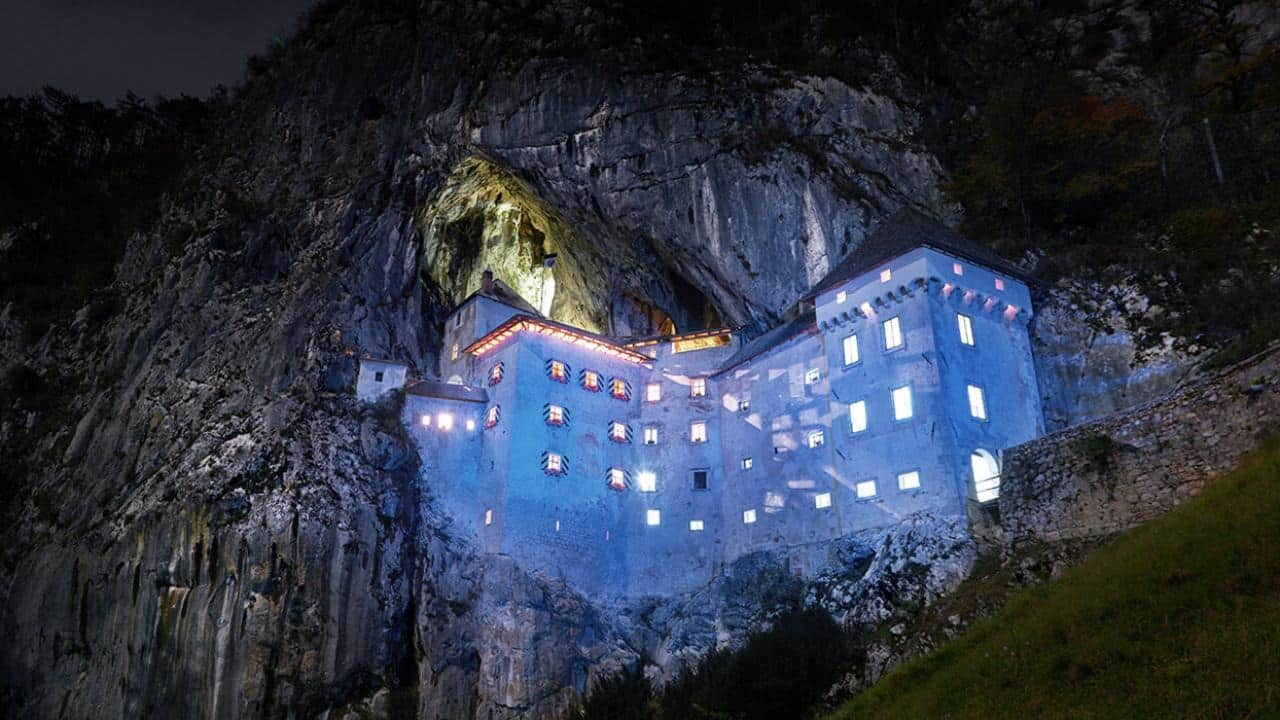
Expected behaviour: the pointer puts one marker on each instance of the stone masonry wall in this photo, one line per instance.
(1131, 467)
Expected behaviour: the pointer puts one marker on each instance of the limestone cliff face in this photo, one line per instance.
(215, 528)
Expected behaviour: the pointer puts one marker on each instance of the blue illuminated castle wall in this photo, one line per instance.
(790, 460)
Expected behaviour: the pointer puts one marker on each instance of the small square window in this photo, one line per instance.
(426, 421)
(651, 436)
(617, 479)
(471, 424)
(816, 439)
(653, 517)
(744, 405)
(591, 380)
(858, 416)
(909, 480)
(886, 275)
(555, 463)
(652, 392)
(999, 284)
(746, 463)
(620, 389)
(964, 324)
(558, 371)
(698, 387)
(700, 479)
(902, 409)
(496, 373)
(377, 376)
(866, 488)
(748, 516)
(555, 415)
(822, 500)
(646, 482)
(698, 432)
(842, 296)
(444, 421)
(618, 432)
(812, 376)
(892, 333)
(851, 354)
(957, 268)
(977, 403)
(695, 525)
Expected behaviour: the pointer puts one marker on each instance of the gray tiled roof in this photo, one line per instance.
(447, 391)
(906, 230)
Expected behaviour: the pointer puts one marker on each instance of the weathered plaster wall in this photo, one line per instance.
(1132, 467)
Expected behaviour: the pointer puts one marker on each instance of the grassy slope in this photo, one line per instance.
(1179, 618)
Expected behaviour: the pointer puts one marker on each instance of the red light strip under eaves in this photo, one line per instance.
(511, 327)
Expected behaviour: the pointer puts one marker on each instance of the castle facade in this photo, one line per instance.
(645, 466)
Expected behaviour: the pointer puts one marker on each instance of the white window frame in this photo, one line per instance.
(697, 387)
(850, 350)
(964, 324)
(555, 415)
(646, 481)
(698, 431)
(815, 439)
(909, 476)
(652, 392)
(891, 331)
(865, 489)
(812, 376)
(977, 401)
(858, 420)
(651, 432)
(899, 396)
(747, 463)
(822, 501)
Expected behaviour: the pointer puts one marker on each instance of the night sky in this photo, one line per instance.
(99, 49)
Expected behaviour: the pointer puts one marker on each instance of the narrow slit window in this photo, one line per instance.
(822, 500)
(909, 480)
(454, 352)
(488, 517)
(965, 324)
(892, 329)
(851, 354)
(977, 403)
(902, 409)
(858, 416)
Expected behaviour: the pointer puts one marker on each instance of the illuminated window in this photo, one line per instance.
(618, 432)
(957, 268)
(986, 475)
(902, 403)
(700, 478)
(698, 432)
(653, 517)
(858, 416)
(554, 464)
(652, 392)
(747, 463)
(557, 526)
(471, 424)
(851, 354)
(426, 421)
(965, 325)
(908, 480)
(496, 373)
(558, 371)
(646, 482)
(841, 296)
(651, 436)
(488, 517)
(444, 421)
(812, 376)
(377, 376)
(885, 275)
(816, 439)
(620, 389)
(822, 500)
(748, 516)
(977, 403)
(591, 380)
(695, 525)
(454, 353)
(617, 478)
(892, 333)
(555, 415)
(698, 387)
(744, 405)
(866, 488)
(491, 417)
(999, 284)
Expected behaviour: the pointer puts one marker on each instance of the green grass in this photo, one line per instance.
(1177, 619)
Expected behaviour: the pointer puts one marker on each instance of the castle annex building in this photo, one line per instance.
(644, 466)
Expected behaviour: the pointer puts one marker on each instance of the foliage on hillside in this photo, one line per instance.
(77, 179)
(1179, 618)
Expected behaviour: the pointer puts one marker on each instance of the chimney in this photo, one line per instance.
(486, 281)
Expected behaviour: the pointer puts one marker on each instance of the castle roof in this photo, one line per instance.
(447, 391)
(805, 322)
(501, 292)
(907, 230)
(560, 331)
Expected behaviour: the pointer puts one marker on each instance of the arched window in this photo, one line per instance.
(986, 475)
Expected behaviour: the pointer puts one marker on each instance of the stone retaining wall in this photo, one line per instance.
(1131, 467)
